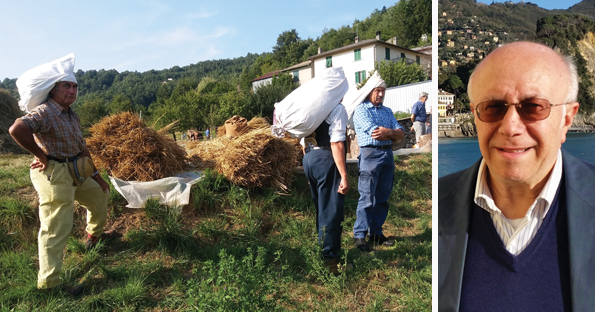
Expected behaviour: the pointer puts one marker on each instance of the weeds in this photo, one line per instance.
(231, 249)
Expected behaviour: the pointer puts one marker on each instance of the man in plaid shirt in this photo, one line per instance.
(51, 131)
(376, 127)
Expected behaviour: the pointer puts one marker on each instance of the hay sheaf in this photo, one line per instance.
(254, 159)
(131, 151)
(9, 106)
(258, 159)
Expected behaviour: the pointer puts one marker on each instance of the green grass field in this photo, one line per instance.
(231, 249)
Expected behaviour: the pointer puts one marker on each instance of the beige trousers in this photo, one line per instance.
(56, 208)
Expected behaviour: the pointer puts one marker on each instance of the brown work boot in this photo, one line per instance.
(72, 290)
(332, 265)
(93, 240)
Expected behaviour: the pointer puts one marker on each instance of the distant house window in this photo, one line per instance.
(360, 76)
(357, 54)
(329, 61)
(417, 60)
(403, 55)
(387, 53)
(296, 75)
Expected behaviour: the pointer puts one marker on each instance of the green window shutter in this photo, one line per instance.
(357, 77)
(387, 53)
(357, 54)
(363, 75)
(417, 60)
(329, 61)
(296, 75)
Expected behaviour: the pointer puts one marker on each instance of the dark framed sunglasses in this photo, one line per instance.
(530, 109)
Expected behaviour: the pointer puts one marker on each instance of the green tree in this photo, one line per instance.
(91, 111)
(120, 103)
(398, 73)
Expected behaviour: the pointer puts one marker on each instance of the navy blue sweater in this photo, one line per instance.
(538, 279)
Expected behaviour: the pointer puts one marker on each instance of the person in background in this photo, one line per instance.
(51, 131)
(515, 230)
(208, 134)
(376, 128)
(419, 117)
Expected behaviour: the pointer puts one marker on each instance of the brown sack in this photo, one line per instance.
(80, 169)
(235, 125)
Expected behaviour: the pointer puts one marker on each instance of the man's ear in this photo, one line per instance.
(571, 110)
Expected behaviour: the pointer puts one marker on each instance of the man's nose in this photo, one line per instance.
(512, 123)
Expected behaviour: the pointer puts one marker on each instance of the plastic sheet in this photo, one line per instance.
(171, 191)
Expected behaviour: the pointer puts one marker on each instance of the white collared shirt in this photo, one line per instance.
(517, 234)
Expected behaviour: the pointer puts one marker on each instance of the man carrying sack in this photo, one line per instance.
(62, 170)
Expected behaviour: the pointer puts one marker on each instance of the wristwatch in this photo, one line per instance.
(94, 174)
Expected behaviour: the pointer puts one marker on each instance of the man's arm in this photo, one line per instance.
(338, 150)
(413, 117)
(383, 133)
(98, 178)
(23, 135)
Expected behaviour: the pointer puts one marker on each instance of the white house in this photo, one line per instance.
(301, 74)
(445, 101)
(360, 58)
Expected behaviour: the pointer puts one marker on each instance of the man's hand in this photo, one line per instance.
(40, 163)
(102, 183)
(382, 134)
(344, 186)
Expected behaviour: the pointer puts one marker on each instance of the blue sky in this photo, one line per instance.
(140, 35)
(157, 34)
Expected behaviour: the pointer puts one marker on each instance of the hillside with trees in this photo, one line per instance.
(469, 30)
(206, 93)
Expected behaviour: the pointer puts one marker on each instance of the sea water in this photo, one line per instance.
(455, 154)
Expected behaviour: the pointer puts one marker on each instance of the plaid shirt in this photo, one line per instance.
(368, 117)
(57, 131)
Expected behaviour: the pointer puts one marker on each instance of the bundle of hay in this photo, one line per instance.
(9, 107)
(258, 159)
(131, 151)
(255, 158)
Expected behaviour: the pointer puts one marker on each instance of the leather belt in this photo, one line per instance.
(69, 159)
(313, 148)
(379, 146)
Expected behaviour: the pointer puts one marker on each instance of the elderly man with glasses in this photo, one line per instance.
(516, 230)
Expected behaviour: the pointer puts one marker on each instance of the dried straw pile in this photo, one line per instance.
(254, 159)
(9, 107)
(131, 151)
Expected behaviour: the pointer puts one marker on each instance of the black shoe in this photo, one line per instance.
(382, 240)
(361, 244)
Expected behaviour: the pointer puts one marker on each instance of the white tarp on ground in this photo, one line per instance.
(172, 191)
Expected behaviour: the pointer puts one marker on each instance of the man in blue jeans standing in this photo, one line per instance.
(376, 128)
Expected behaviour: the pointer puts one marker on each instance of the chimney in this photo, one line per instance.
(395, 41)
(356, 39)
(378, 35)
(319, 50)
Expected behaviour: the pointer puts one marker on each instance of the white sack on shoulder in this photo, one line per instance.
(354, 97)
(304, 109)
(35, 84)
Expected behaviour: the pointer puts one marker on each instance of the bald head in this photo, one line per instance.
(529, 60)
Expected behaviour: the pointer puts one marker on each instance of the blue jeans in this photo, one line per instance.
(324, 180)
(376, 173)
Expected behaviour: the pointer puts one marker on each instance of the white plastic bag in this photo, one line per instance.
(304, 109)
(172, 191)
(35, 84)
